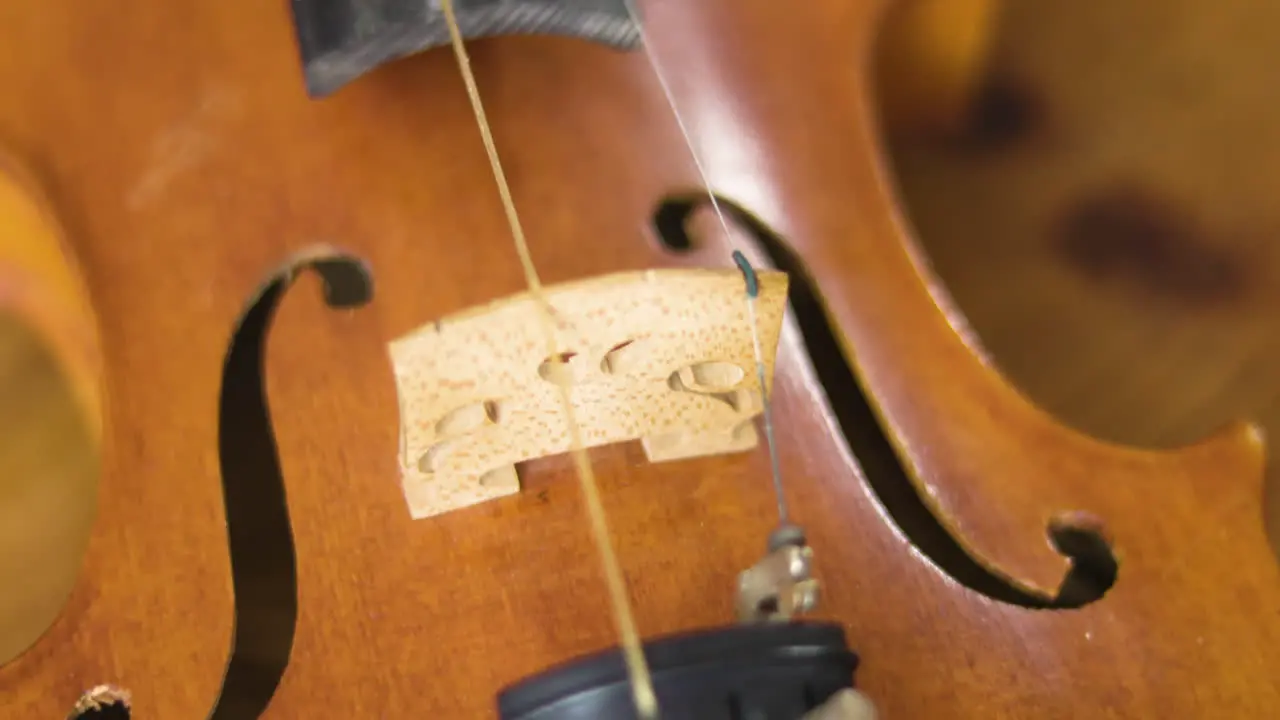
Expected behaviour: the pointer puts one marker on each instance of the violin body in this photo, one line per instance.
(198, 184)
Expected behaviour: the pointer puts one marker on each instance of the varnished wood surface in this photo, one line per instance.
(1107, 221)
(51, 409)
(48, 466)
(193, 166)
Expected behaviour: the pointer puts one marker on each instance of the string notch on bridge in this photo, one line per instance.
(777, 586)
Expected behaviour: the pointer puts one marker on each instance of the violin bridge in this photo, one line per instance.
(660, 356)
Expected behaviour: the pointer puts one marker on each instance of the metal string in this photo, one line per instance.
(641, 682)
(739, 258)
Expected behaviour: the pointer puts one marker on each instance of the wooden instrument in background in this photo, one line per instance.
(358, 497)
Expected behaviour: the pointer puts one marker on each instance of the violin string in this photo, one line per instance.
(752, 285)
(641, 682)
(753, 293)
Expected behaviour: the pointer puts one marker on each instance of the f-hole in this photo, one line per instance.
(259, 532)
(1093, 569)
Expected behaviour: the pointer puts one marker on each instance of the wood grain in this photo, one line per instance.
(663, 357)
(194, 165)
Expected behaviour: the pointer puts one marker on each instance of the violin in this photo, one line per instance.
(554, 359)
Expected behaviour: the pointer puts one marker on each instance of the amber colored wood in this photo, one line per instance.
(50, 414)
(42, 283)
(1119, 260)
(930, 60)
(180, 143)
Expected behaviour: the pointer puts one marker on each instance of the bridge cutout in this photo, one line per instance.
(1093, 565)
(661, 356)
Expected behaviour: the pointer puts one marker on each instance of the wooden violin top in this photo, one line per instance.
(194, 180)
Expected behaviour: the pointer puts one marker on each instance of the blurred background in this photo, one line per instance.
(1096, 184)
